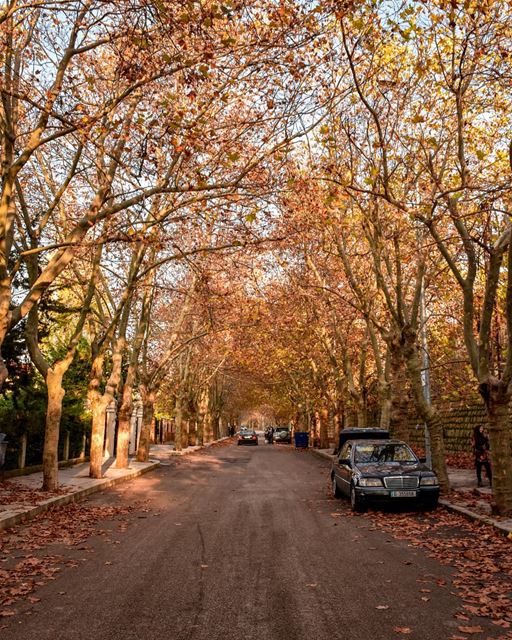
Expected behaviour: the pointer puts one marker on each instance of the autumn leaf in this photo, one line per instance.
(403, 630)
(477, 629)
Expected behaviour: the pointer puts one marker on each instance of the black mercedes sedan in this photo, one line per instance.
(372, 471)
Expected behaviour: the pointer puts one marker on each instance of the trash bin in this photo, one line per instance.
(301, 439)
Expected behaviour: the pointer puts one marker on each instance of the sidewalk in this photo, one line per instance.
(21, 498)
(464, 492)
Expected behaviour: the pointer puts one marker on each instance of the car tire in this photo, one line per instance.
(356, 503)
(336, 493)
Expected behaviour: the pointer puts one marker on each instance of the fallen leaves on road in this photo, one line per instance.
(26, 557)
(481, 558)
(470, 630)
(404, 630)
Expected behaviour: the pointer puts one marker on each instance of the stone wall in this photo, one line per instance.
(459, 420)
(458, 424)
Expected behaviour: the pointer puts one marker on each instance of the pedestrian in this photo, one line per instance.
(481, 452)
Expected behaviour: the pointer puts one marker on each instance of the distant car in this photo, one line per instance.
(283, 434)
(383, 471)
(247, 436)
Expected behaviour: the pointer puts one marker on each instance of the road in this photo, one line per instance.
(241, 543)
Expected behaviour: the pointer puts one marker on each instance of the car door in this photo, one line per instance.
(344, 471)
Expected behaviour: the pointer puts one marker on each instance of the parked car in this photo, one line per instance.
(283, 434)
(383, 470)
(247, 436)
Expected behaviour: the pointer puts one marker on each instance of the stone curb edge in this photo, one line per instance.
(471, 515)
(467, 513)
(75, 496)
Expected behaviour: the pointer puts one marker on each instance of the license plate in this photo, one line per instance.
(247, 437)
(403, 494)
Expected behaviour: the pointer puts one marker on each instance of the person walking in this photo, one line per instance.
(481, 452)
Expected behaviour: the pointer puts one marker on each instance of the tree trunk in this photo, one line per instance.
(148, 412)
(55, 394)
(124, 427)
(398, 396)
(98, 417)
(361, 416)
(200, 430)
(124, 419)
(178, 443)
(427, 413)
(385, 404)
(324, 429)
(99, 413)
(185, 433)
(497, 402)
(208, 429)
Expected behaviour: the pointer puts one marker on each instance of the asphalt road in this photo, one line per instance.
(242, 543)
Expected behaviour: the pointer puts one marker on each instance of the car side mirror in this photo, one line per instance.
(423, 460)
(344, 462)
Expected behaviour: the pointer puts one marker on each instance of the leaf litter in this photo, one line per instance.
(481, 557)
(26, 558)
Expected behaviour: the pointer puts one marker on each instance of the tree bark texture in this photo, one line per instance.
(398, 396)
(427, 413)
(55, 394)
(497, 402)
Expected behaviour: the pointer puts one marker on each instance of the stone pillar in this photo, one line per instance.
(110, 431)
(22, 455)
(84, 444)
(135, 426)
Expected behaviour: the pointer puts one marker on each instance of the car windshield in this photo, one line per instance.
(375, 453)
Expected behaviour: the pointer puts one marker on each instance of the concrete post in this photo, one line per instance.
(22, 455)
(84, 443)
(110, 431)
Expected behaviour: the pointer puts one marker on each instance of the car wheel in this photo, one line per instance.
(355, 501)
(336, 493)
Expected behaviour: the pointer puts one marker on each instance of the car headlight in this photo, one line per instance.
(370, 482)
(429, 481)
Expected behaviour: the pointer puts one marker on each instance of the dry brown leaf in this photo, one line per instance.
(404, 630)
(476, 629)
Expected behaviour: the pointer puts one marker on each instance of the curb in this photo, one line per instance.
(471, 515)
(322, 454)
(10, 520)
(503, 529)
